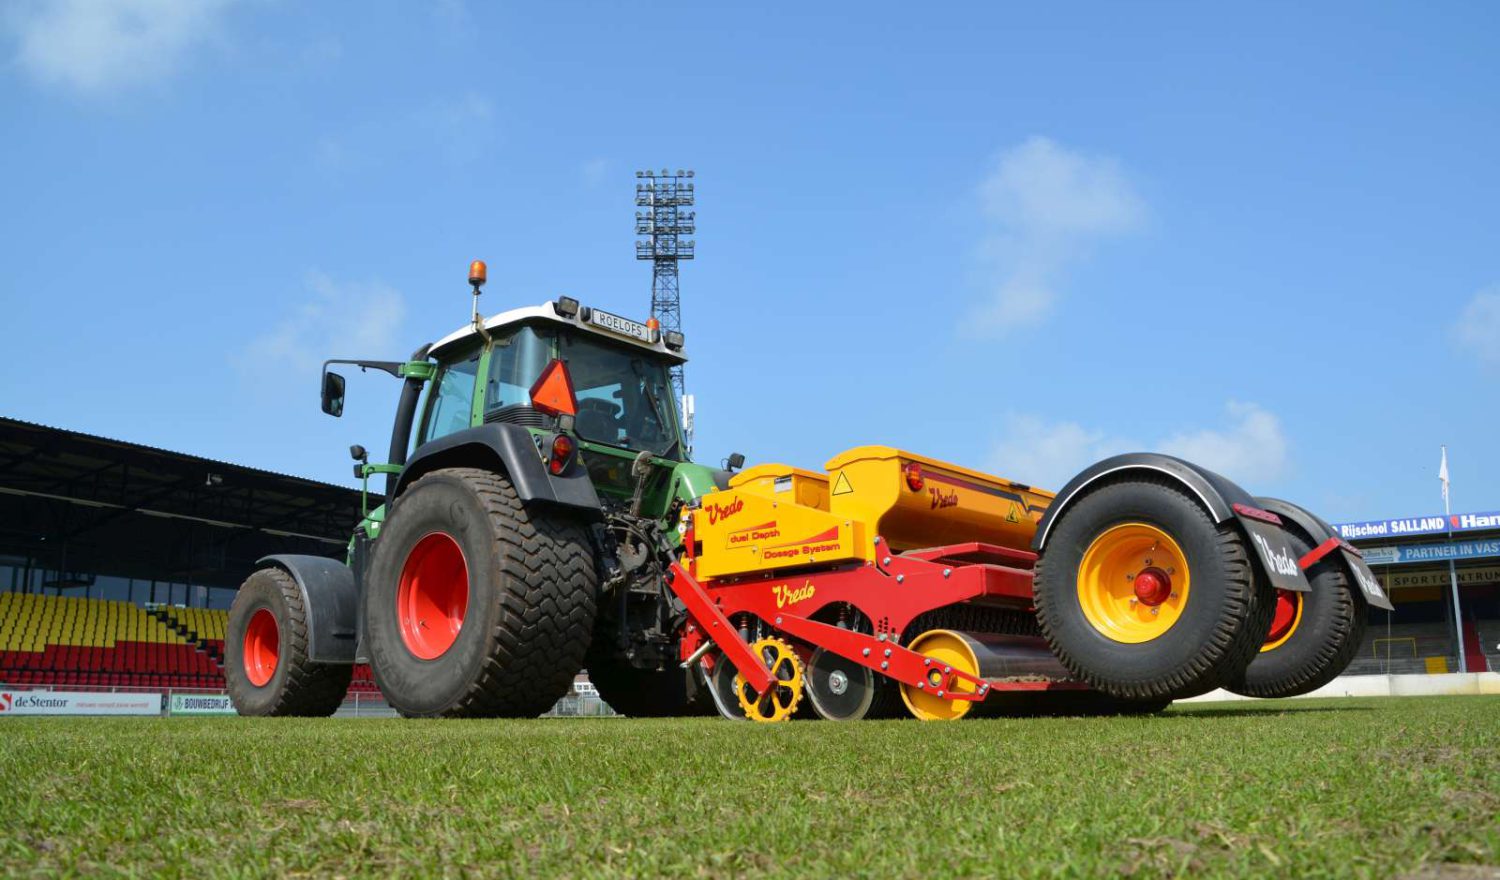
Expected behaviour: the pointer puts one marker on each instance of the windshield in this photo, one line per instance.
(624, 397)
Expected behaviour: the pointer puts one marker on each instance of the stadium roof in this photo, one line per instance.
(80, 501)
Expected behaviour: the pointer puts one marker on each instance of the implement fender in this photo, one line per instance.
(511, 449)
(1218, 494)
(1319, 531)
(331, 601)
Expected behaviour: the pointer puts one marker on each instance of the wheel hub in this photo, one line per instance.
(838, 682)
(1133, 582)
(262, 647)
(1284, 619)
(432, 598)
(1153, 586)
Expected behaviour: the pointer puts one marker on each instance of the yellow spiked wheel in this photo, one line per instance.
(778, 703)
(1133, 582)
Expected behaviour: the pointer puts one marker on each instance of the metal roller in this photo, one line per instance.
(986, 655)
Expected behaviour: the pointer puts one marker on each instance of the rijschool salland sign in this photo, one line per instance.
(1419, 525)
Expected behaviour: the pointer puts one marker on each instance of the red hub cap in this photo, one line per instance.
(262, 647)
(1285, 616)
(433, 596)
(1153, 586)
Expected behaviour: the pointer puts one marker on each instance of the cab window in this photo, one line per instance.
(515, 363)
(450, 405)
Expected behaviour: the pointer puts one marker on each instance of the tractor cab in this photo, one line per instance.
(579, 397)
(560, 366)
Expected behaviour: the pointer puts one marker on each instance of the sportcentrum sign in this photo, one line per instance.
(201, 704)
(70, 703)
(1407, 553)
(1419, 525)
(1438, 577)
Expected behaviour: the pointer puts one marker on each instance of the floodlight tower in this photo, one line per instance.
(664, 195)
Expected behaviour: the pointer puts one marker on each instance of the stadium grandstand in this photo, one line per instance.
(1418, 560)
(118, 561)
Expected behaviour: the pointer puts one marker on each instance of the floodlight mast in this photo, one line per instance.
(664, 195)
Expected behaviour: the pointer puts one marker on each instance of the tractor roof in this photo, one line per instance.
(548, 313)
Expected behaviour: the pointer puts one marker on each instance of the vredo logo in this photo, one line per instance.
(788, 595)
(717, 512)
(1283, 562)
(1366, 580)
(941, 499)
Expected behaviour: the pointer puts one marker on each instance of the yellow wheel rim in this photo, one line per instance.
(1288, 617)
(1133, 583)
(778, 703)
(945, 648)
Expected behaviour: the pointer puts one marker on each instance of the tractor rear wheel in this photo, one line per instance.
(1141, 595)
(1313, 635)
(650, 693)
(477, 606)
(266, 669)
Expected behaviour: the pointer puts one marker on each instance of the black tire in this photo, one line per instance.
(649, 693)
(531, 596)
(1328, 633)
(298, 687)
(1221, 624)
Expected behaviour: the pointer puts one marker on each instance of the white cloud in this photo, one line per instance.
(1477, 331)
(1048, 206)
(1251, 449)
(104, 45)
(1048, 454)
(594, 170)
(339, 319)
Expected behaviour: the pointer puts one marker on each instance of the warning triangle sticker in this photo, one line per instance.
(841, 486)
(1011, 517)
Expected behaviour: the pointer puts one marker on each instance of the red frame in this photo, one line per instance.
(892, 590)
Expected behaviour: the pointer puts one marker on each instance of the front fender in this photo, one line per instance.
(1320, 532)
(331, 601)
(1221, 497)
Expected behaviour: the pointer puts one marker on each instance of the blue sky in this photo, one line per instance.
(1019, 238)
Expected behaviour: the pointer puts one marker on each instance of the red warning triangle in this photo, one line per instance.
(553, 391)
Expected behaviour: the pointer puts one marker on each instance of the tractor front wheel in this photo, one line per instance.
(475, 605)
(266, 668)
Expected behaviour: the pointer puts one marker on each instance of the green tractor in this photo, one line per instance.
(524, 533)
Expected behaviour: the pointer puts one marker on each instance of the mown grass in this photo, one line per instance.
(1346, 787)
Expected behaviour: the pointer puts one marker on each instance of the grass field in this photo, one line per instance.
(1338, 787)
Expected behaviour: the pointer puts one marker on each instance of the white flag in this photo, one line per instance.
(1443, 474)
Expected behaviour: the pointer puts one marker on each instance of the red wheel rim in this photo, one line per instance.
(433, 596)
(262, 647)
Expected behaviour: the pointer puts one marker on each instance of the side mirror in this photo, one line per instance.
(734, 462)
(333, 394)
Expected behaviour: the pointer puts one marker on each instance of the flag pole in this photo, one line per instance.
(1458, 618)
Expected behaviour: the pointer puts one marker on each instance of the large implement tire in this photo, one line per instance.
(1141, 595)
(1313, 635)
(266, 669)
(649, 693)
(475, 605)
